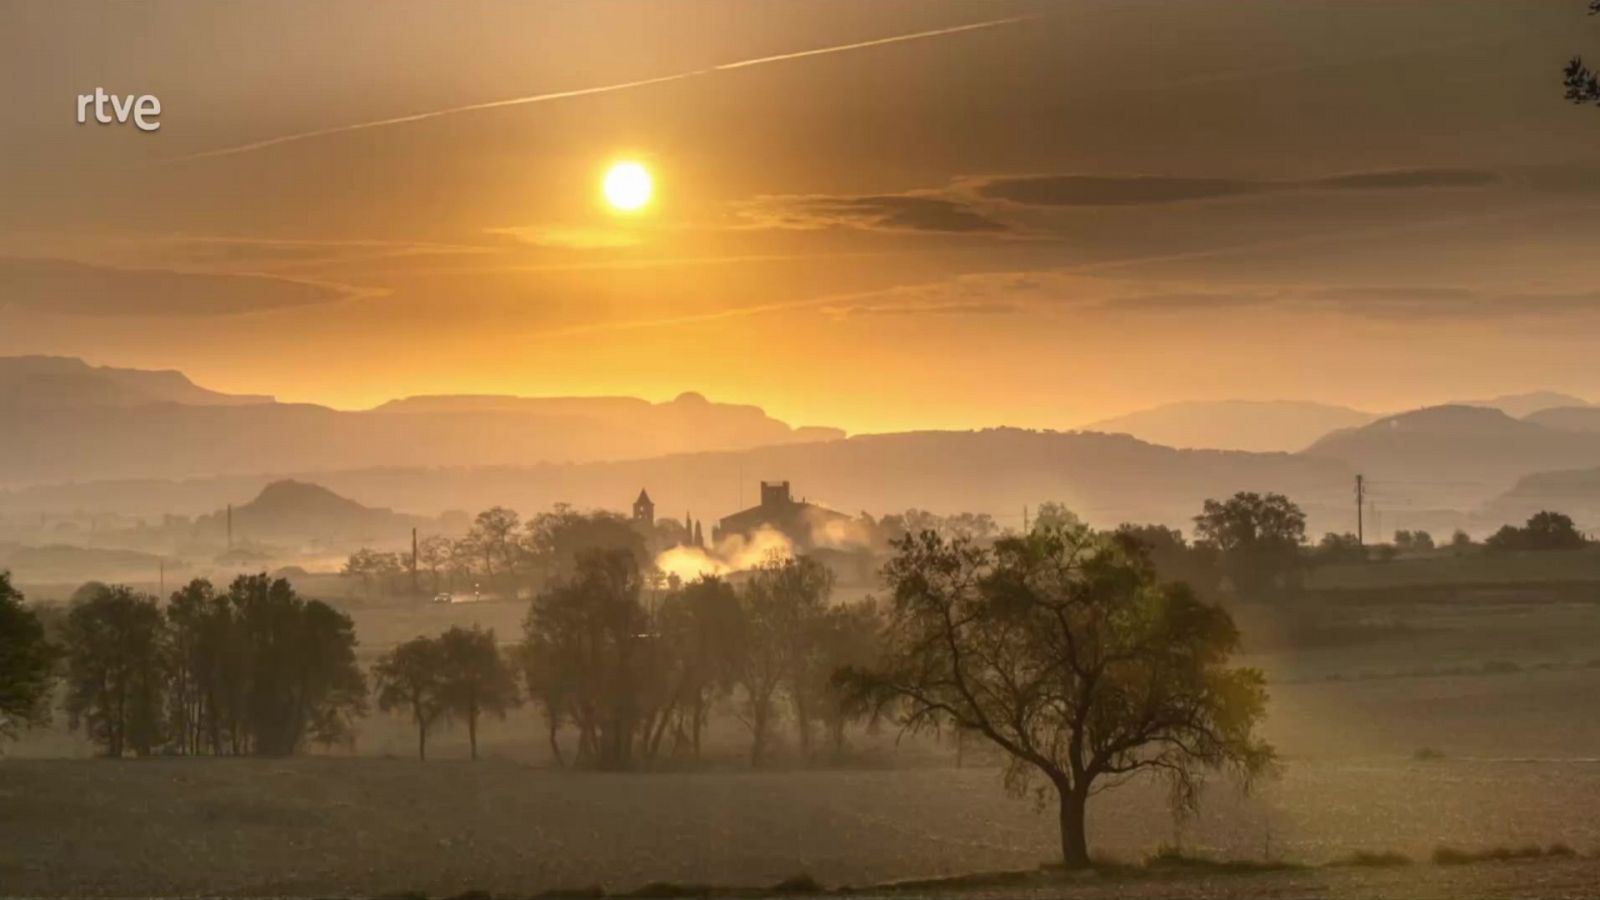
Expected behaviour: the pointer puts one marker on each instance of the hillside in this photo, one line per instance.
(299, 511)
(1262, 426)
(1108, 479)
(1456, 456)
(56, 382)
(87, 424)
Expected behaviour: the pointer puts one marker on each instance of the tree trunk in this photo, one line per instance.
(422, 743)
(555, 745)
(1074, 839)
(472, 733)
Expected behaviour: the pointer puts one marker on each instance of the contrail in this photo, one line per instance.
(584, 92)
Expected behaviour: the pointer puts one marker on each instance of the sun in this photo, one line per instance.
(628, 186)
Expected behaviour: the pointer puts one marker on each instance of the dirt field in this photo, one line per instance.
(321, 826)
(1499, 691)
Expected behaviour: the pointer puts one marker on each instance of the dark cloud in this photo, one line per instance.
(880, 212)
(1150, 190)
(75, 288)
(1096, 190)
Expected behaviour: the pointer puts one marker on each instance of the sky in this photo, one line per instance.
(867, 215)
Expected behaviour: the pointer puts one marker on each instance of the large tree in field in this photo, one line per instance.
(27, 664)
(116, 669)
(701, 647)
(1257, 538)
(410, 679)
(300, 678)
(584, 651)
(475, 680)
(1063, 649)
(1583, 83)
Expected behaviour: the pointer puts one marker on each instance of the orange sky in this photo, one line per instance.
(1107, 206)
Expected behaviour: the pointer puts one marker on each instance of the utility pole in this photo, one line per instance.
(413, 561)
(1361, 524)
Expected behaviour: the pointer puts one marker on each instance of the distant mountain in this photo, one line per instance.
(88, 424)
(1523, 405)
(53, 382)
(1454, 455)
(1575, 492)
(299, 512)
(1264, 426)
(1568, 418)
(1108, 479)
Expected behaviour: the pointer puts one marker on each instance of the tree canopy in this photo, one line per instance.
(1063, 648)
(27, 664)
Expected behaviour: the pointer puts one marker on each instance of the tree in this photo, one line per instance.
(582, 654)
(377, 570)
(702, 631)
(475, 680)
(27, 664)
(1258, 538)
(410, 678)
(1062, 648)
(1413, 541)
(844, 637)
(299, 680)
(784, 599)
(1543, 531)
(492, 541)
(115, 670)
(1582, 83)
(1174, 558)
(1335, 549)
(434, 553)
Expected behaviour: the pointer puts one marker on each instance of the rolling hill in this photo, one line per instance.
(1262, 426)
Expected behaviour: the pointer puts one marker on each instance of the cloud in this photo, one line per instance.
(1151, 190)
(555, 237)
(1424, 302)
(916, 212)
(1096, 190)
(952, 308)
(76, 288)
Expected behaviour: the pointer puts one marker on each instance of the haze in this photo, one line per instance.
(1103, 207)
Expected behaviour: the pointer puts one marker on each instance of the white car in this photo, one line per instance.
(444, 597)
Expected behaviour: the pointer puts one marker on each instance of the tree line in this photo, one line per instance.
(1086, 657)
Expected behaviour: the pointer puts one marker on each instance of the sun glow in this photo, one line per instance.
(628, 186)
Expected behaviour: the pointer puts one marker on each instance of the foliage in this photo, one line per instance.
(1582, 83)
(410, 678)
(784, 602)
(1413, 541)
(474, 679)
(116, 670)
(1335, 549)
(582, 654)
(1258, 538)
(1543, 531)
(1063, 648)
(27, 664)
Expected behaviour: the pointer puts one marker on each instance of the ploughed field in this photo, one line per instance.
(365, 826)
(1470, 721)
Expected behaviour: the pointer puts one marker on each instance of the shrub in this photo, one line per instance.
(1373, 860)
